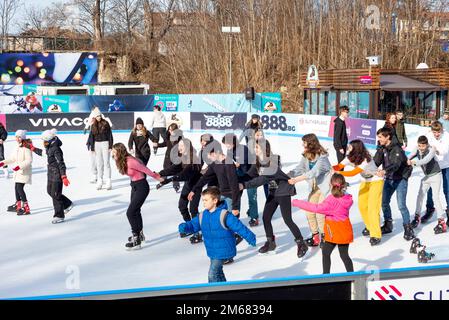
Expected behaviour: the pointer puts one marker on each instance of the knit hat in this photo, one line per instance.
(255, 116)
(22, 134)
(139, 121)
(47, 135)
(96, 112)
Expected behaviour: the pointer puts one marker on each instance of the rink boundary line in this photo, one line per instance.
(226, 284)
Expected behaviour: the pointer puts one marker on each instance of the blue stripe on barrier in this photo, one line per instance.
(226, 284)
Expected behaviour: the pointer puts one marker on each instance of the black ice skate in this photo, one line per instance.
(428, 215)
(374, 241)
(365, 232)
(15, 207)
(416, 243)
(416, 221)
(387, 227)
(134, 244)
(423, 256)
(441, 227)
(253, 222)
(268, 247)
(408, 232)
(141, 236)
(196, 238)
(302, 248)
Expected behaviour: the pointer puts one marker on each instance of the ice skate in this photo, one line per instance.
(57, 220)
(374, 241)
(415, 244)
(67, 210)
(302, 249)
(134, 244)
(196, 238)
(108, 184)
(441, 227)
(253, 223)
(423, 256)
(269, 247)
(93, 179)
(314, 240)
(365, 232)
(416, 221)
(408, 232)
(15, 207)
(25, 210)
(141, 237)
(99, 184)
(387, 227)
(185, 234)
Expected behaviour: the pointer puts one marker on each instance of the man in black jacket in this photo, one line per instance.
(56, 175)
(340, 135)
(396, 173)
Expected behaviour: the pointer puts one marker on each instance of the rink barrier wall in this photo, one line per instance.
(279, 124)
(363, 286)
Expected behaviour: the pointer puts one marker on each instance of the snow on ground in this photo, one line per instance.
(38, 258)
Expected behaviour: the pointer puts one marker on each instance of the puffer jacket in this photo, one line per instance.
(338, 228)
(23, 158)
(55, 159)
(220, 242)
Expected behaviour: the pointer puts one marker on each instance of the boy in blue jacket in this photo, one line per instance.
(218, 227)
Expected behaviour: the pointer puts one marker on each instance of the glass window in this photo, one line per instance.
(306, 102)
(314, 94)
(363, 104)
(322, 101)
(331, 104)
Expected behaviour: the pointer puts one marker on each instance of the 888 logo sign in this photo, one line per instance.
(276, 122)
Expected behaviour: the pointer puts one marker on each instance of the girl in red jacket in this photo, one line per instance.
(337, 227)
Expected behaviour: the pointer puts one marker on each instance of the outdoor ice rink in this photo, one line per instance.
(38, 258)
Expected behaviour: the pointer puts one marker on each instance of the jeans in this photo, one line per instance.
(400, 186)
(216, 271)
(430, 204)
(253, 210)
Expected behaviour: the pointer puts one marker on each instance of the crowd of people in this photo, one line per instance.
(222, 169)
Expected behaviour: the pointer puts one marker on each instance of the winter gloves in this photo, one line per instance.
(65, 181)
(182, 228)
(16, 168)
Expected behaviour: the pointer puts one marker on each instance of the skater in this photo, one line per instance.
(242, 160)
(203, 155)
(267, 170)
(158, 124)
(370, 191)
(21, 159)
(314, 168)
(340, 135)
(250, 128)
(444, 120)
(103, 141)
(132, 167)
(189, 171)
(91, 146)
(173, 136)
(391, 123)
(56, 174)
(425, 156)
(439, 140)
(396, 173)
(218, 227)
(400, 129)
(3, 137)
(338, 230)
(139, 138)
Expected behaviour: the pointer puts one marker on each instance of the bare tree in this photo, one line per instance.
(8, 9)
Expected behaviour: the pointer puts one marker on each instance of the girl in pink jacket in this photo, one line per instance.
(337, 227)
(137, 171)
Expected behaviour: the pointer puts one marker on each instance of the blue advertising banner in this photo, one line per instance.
(167, 102)
(37, 68)
(112, 103)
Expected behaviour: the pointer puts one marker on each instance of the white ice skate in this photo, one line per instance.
(57, 220)
(93, 180)
(108, 185)
(99, 184)
(69, 208)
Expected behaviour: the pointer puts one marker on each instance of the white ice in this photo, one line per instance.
(38, 258)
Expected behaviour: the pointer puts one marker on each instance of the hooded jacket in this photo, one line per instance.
(23, 158)
(55, 159)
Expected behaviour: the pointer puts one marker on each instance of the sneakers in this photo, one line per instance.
(67, 210)
(134, 243)
(365, 232)
(416, 221)
(408, 232)
(374, 241)
(253, 223)
(15, 207)
(141, 237)
(269, 246)
(428, 215)
(313, 241)
(228, 261)
(441, 227)
(302, 248)
(57, 220)
(25, 210)
(238, 239)
(196, 238)
(387, 227)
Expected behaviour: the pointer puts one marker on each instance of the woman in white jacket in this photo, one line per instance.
(159, 125)
(20, 160)
(314, 168)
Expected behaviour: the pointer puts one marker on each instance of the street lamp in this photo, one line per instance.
(230, 31)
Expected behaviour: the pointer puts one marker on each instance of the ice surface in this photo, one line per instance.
(38, 258)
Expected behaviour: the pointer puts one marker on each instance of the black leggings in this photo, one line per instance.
(160, 132)
(60, 201)
(20, 193)
(184, 203)
(139, 192)
(286, 210)
(327, 249)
